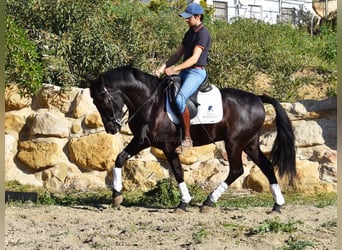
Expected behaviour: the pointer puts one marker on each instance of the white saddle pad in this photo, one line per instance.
(210, 109)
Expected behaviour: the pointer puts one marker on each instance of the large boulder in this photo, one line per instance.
(55, 97)
(142, 175)
(307, 180)
(95, 151)
(50, 123)
(39, 154)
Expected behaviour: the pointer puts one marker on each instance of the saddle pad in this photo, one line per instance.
(210, 109)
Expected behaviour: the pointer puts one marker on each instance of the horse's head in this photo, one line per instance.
(109, 103)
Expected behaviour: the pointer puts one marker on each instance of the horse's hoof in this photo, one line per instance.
(206, 209)
(117, 201)
(207, 206)
(276, 208)
(181, 208)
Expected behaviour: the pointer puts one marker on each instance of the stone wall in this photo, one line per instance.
(56, 140)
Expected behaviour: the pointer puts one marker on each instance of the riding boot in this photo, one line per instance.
(186, 145)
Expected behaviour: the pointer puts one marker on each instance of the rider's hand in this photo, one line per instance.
(160, 70)
(170, 71)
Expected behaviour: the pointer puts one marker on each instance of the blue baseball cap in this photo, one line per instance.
(192, 9)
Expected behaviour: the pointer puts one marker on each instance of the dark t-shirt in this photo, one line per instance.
(198, 35)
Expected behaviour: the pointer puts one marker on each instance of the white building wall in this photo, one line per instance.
(267, 10)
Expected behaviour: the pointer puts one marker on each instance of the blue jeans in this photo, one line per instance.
(191, 80)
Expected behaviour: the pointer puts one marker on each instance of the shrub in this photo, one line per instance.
(23, 65)
(74, 39)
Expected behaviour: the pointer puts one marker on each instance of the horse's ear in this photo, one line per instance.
(90, 79)
(102, 83)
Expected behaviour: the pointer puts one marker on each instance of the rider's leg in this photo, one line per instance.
(191, 80)
(187, 142)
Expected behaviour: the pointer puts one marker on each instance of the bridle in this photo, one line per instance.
(117, 121)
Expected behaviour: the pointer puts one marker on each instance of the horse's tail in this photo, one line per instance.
(283, 154)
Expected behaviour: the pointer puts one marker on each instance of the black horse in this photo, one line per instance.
(243, 118)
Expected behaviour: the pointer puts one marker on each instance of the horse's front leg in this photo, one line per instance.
(117, 178)
(179, 176)
(134, 147)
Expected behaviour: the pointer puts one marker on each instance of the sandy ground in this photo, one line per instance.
(102, 227)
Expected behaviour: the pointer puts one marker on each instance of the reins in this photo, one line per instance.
(119, 121)
(146, 101)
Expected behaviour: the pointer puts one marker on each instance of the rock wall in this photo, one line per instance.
(56, 140)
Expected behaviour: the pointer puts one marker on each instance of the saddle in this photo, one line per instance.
(175, 83)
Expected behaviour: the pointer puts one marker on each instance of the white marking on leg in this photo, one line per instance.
(117, 179)
(277, 195)
(214, 196)
(184, 192)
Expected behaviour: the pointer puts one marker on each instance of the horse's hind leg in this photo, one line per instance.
(179, 176)
(259, 158)
(235, 171)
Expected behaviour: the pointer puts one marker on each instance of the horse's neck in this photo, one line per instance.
(137, 88)
(135, 100)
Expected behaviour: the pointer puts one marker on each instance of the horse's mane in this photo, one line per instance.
(129, 75)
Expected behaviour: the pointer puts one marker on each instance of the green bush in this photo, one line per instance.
(74, 39)
(23, 65)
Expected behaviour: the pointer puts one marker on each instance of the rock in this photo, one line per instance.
(328, 173)
(10, 149)
(14, 100)
(50, 123)
(93, 121)
(54, 178)
(308, 179)
(14, 122)
(158, 153)
(68, 176)
(308, 133)
(55, 97)
(197, 154)
(188, 159)
(257, 181)
(85, 181)
(208, 175)
(10, 142)
(142, 175)
(325, 106)
(83, 104)
(39, 155)
(76, 129)
(13, 173)
(94, 152)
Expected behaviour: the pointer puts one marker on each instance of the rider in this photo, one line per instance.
(194, 49)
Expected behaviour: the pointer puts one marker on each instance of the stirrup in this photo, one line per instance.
(186, 146)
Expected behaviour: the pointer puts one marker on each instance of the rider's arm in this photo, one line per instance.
(191, 61)
(176, 56)
(173, 59)
(188, 63)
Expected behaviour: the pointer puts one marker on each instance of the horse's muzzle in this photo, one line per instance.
(113, 126)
